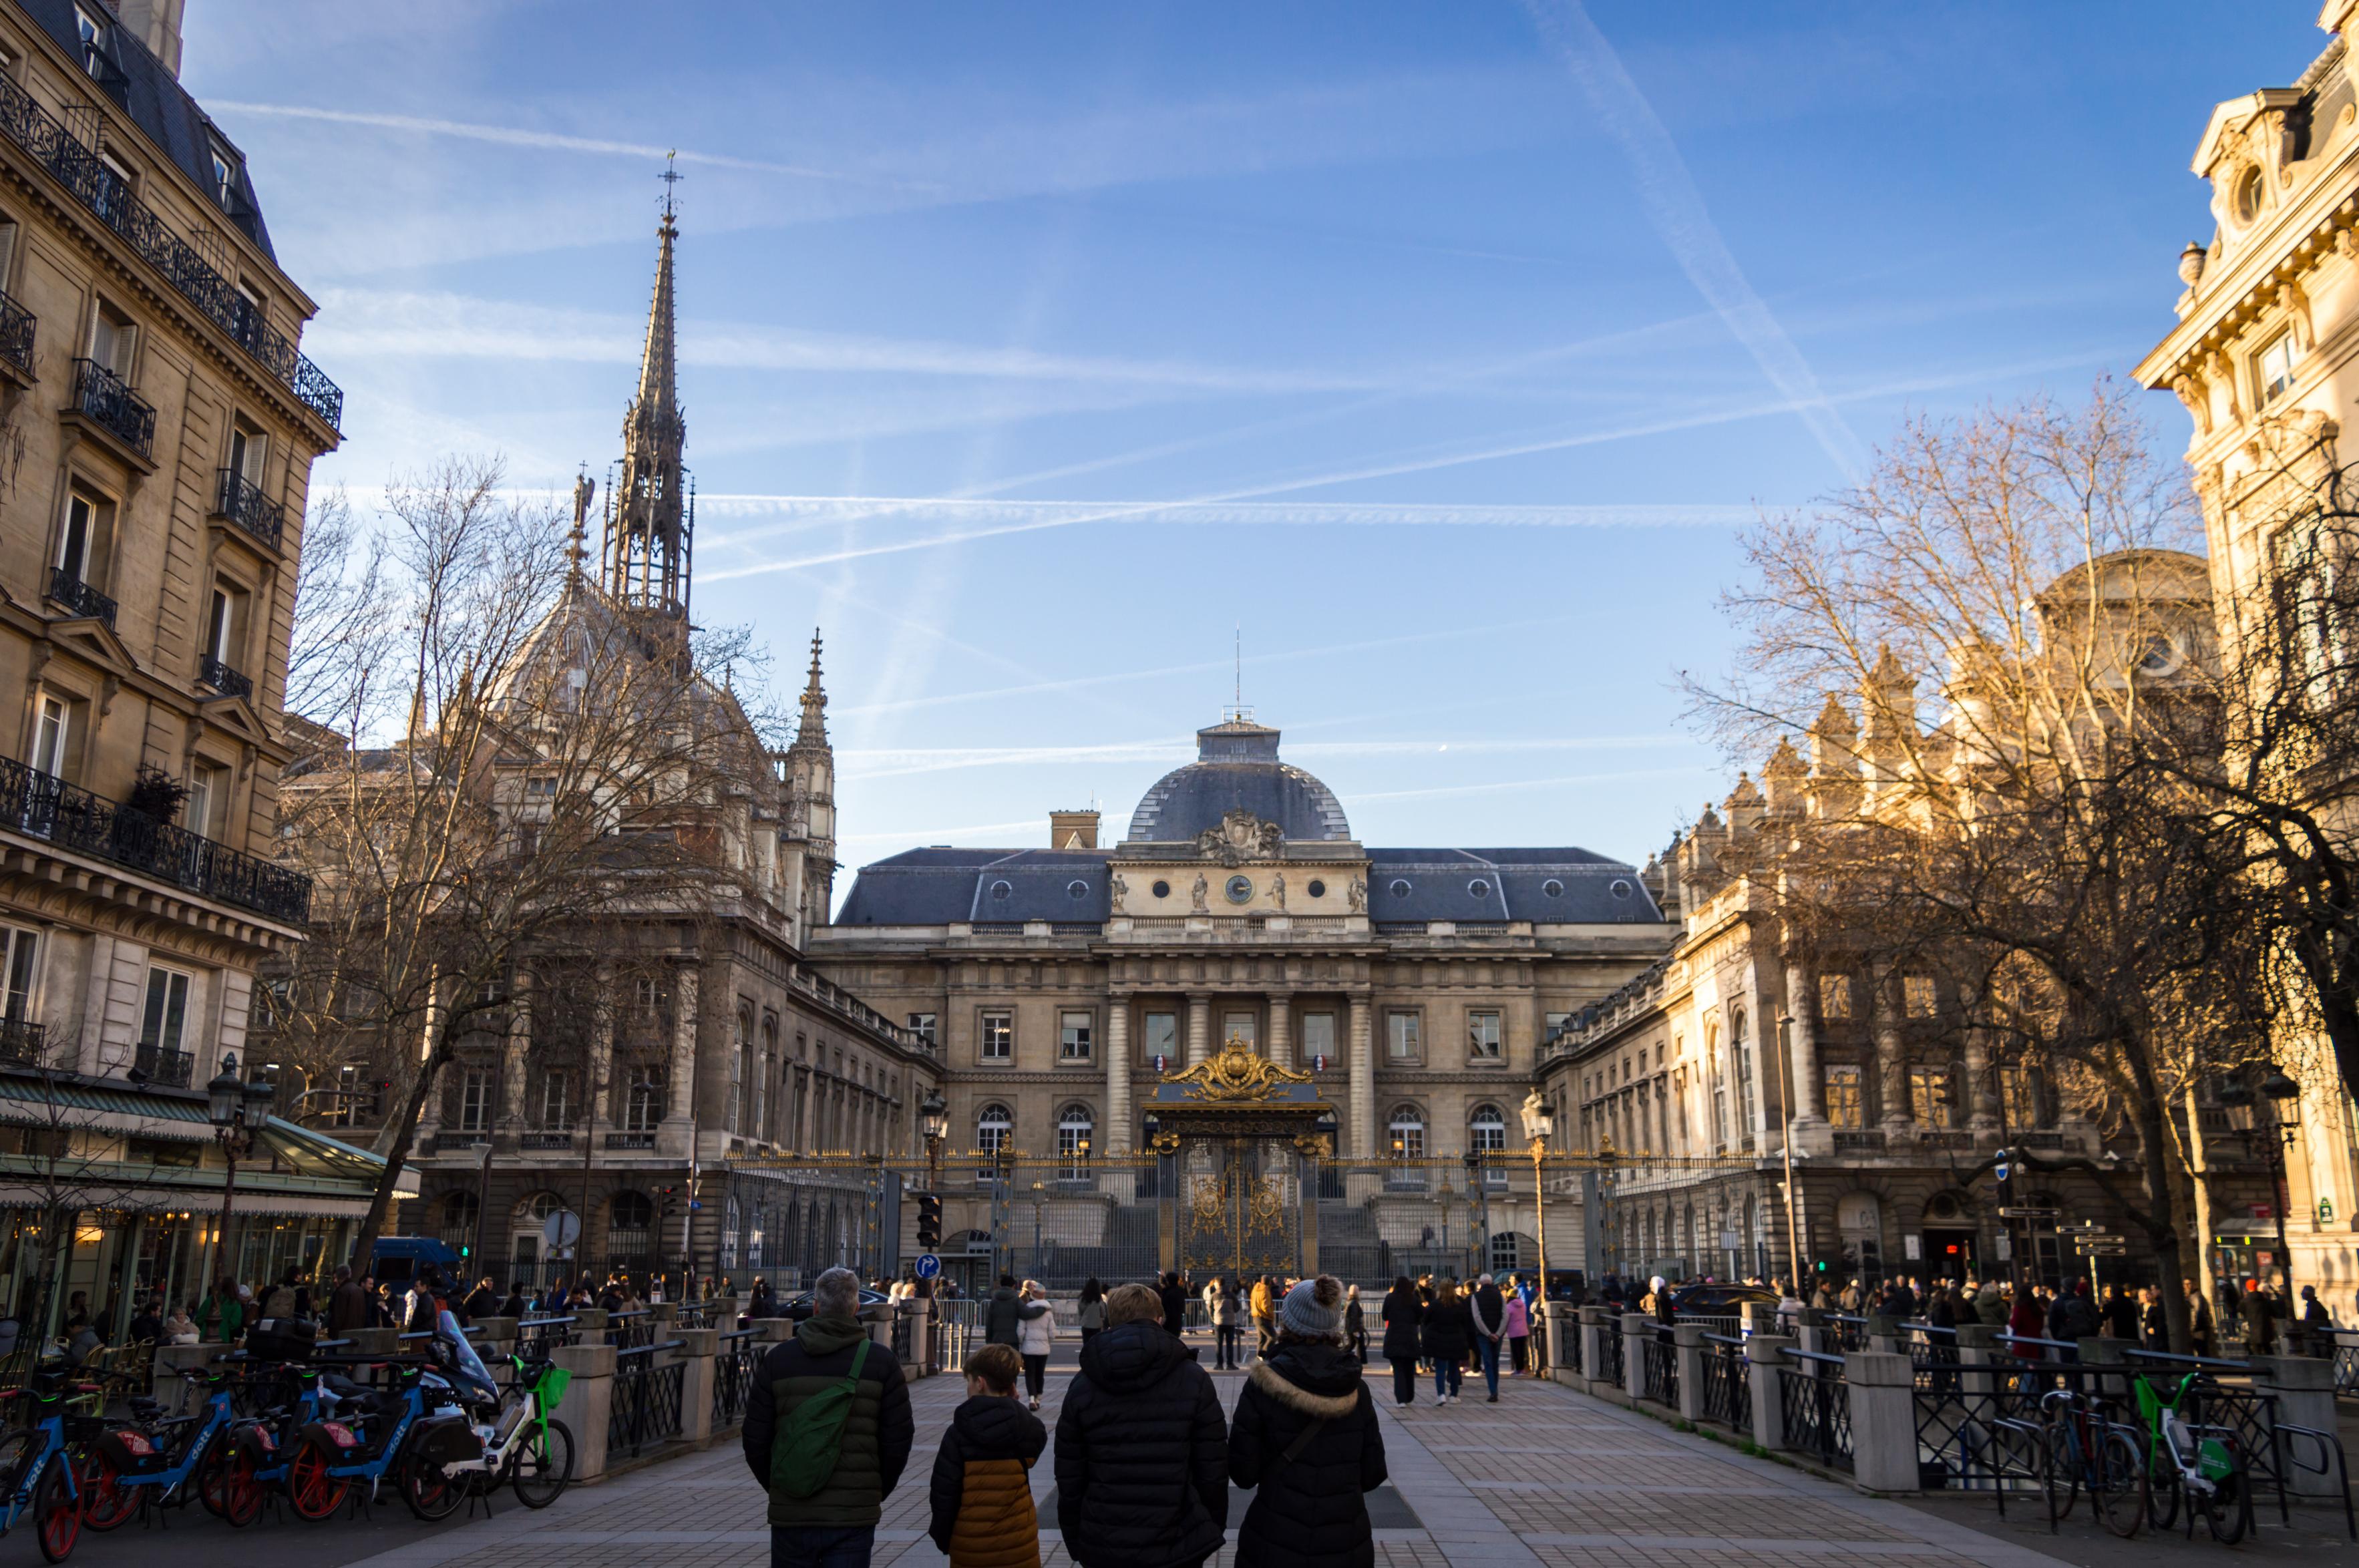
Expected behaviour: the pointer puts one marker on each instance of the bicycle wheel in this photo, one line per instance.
(212, 1473)
(15, 1451)
(56, 1513)
(2164, 1494)
(106, 1499)
(543, 1465)
(2118, 1486)
(2062, 1481)
(431, 1493)
(2228, 1509)
(312, 1492)
(241, 1491)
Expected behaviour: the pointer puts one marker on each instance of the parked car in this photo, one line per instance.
(799, 1308)
(1719, 1300)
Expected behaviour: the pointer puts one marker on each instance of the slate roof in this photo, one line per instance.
(1237, 768)
(936, 887)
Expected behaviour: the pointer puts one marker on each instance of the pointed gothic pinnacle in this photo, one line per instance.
(814, 729)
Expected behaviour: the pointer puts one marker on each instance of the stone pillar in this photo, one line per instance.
(1637, 1330)
(373, 1341)
(1597, 1326)
(1981, 1102)
(1764, 1355)
(2304, 1386)
(589, 1325)
(1562, 1333)
(1802, 1044)
(589, 1400)
(1891, 1054)
(697, 1349)
(1689, 1350)
(1884, 1332)
(1883, 1421)
(1200, 1028)
(1362, 1084)
(1116, 1138)
(1281, 1030)
(602, 1067)
(519, 1048)
(679, 1092)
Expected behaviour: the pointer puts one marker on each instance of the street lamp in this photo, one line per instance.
(1040, 1196)
(1786, 1146)
(2280, 1090)
(1478, 1191)
(1448, 1198)
(934, 1120)
(238, 1110)
(1540, 1126)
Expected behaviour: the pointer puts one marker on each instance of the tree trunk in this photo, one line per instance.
(2162, 1229)
(397, 1159)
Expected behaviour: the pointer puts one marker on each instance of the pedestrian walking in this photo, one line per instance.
(2201, 1328)
(1142, 1452)
(1089, 1314)
(828, 1460)
(1228, 1325)
(348, 1304)
(1174, 1299)
(982, 1491)
(1036, 1333)
(1446, 1333)
(1404, 1318)
(1487, 1313)
(1306, 1442)
(1265, 1310)
(1519, 1333)
(1002, 1314)
(1356, 1325)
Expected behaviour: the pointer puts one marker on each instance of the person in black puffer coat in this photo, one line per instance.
(1449, 1328)
(1142, 1450)
(1002, 1315)
(1305, 1439)
(1403, 1313)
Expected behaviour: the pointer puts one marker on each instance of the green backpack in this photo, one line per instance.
(803, 1456)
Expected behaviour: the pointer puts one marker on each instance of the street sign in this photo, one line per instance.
(2100, 1249)
(2028, 1213)
(927, 1266)
(562, 1229)
(695, 1203)
(2079, 1227)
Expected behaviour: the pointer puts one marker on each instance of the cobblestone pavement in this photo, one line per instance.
(1546, 1479)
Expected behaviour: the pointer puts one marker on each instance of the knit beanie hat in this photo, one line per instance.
(1314, 1308)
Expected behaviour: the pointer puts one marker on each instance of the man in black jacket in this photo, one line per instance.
(1142, 1447)
(835, 1527)
(1172, 1296)
(1000, 1313)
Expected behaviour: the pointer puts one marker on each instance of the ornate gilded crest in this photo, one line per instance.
(1242, 836)
(1236, 1072)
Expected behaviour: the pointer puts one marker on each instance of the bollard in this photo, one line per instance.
(773, 1330)
(1637, 1331)
(1689, 1351)
(1597, 1326)
(1766, 1353)
(698, 1347)
(1883, 1421)
(589, 1401)
(921, 1339)
(2304, 1386)
(590, 1324)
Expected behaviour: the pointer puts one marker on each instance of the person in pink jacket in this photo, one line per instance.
(1518, 1332)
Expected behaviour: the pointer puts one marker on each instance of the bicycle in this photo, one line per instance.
(522, 1444)
(38, 1466)
(2089, 1452)
(2193, 1464)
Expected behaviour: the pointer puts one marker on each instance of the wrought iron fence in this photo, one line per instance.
(1609, 1360)
(735, 1365)
(223, 679)
(241, 500)
(1727, 1391)
(1549, 1330)
(1658, 1368)
(2346, 1365)
(1814, 1407)
(646, 1399)
(170, 1069)
(1961, 1442)
(1841, 1332)
(15, 334)
(105, 399)
(543, 1334)
(631, 1329)
(83, 601)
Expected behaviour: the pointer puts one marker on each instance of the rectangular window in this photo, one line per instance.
(643, 1107)
(50, 736)
(1917, 996)
(80, 535)
(1554, 1024)
(1239, 1027)
(1843, 1106)
(246, 451)
(7, 235)
(17, 947)
(922, 1025)
(998, 1037)
(1483, 1036)
(2275, 367)
(208, 801)
(1402, 1041)
(1073, 1036)
(2021, 1100)
(1834, 996)
(1160, 1037)
(112, 337)
(1318, 1037)
(166, 1017)
(557, 1101)
(1928, 1095)
(475, 1100)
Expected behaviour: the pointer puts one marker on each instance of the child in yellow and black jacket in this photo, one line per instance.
(982, 1489)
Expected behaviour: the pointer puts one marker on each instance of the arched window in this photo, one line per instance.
(766, 1103)
(995, 1130)
(1719, 1087)
(529, 1225)
(630, 1227)
(1075, 1126)
(1740, 1050)
(1486, 1134)
(755, 1235)
(1408, 1130)
(459, 1213)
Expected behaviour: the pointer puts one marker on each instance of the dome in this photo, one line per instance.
(1236, 769)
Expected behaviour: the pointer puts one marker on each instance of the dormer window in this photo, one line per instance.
(2275, 367)
(2247, 194)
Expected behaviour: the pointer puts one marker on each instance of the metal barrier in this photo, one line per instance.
(735, 1365)
(1727, 1388)
(1844, 1332)
(2346, 1364)
(1659, 1369)
(544, 1334)
(1958, 1410)
(630, 1330)
(647, 1400)
(1814, 1407)
(1610, 1368)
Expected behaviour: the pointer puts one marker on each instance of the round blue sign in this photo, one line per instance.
(927, 1266)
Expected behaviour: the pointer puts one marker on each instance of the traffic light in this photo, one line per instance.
(668, 1202)
(929, 1220)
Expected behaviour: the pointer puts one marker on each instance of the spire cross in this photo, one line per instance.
(671, 177)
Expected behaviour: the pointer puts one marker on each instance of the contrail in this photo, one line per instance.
(822, 510)
(1677, 209)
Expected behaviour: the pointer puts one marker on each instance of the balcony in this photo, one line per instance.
(223, 679)
(1859, 1141)
(168, 1069)
(75, 165)
(21, 1042)
(84, 602)
(542, 1142)
(454, 1142)
(241, 501)
(39, 806)
(630, 1141)
(17, 336)
(101, 396)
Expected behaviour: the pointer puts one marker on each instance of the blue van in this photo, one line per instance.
(396, 1259)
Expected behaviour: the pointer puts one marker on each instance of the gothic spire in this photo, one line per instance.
(648, 523)
(812, 732)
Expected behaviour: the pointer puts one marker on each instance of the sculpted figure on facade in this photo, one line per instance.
(1359, 894)
(1278, 888)
(1119, 889)
(1196, 895)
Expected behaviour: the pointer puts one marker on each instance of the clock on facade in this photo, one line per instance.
(1240, 889)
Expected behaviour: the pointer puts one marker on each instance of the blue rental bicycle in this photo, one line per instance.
(151, 1459)
(37, 1463)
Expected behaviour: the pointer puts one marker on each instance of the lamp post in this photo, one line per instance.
(238, 1110)
(1040, 1196)
(2279, 1090)
(1478, 1193)
(934, 1120)
(1540, 1126)
(1786, 1148)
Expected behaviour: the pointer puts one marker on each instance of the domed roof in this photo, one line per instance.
(1236, 769)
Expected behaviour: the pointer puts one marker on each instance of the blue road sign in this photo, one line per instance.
(927, 1266)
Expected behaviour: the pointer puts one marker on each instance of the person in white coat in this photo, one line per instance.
(1035, 1331)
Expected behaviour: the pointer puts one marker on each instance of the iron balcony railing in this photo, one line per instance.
(156, 1064)
(44, 807)
(241, 500)
(76, 166)
(102, 396)
(87, 603)
(223, 679)
(22, 1041)
(15, 334)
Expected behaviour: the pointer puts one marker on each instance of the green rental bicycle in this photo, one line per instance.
(2193, 1466)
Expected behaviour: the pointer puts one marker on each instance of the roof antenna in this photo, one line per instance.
(1241, 664)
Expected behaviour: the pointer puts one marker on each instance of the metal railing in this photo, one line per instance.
(544, 1140)
(1610, 1368)
(1727, 1391)
(547, 1333)
(1961, 1440)
(734, 1367)
(156, 1064)
(46, 807)
(1843, 1332)
(1658, 1368)
(241, 500)
(1814, 1407)
(22, 1041)
(646, 1399)
(15, 334)
(631, 1329)
(77, 166)
(85, 602)
(105, 399)
(229, 682)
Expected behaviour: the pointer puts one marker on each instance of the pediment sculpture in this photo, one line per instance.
(1242, 836)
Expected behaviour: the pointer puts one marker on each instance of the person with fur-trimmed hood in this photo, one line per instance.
(1305, 1440)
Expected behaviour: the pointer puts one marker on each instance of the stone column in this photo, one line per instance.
(1200, 1028)
(1982, 1104)
(1689, 1351)
(1596, 1325)
(1891, 1055)
(1637, 1330)
(1764, 1354)
(1883, 1420)
(1802, 1044)
(1363, 1085)
(679, 1094)
(1281, 1030)
(1116, 1139)
(698, 1347)
(589, 1400)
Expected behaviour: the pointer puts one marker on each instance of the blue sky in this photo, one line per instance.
(1037, 351)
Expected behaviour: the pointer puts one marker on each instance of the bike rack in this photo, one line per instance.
(2327, 1445)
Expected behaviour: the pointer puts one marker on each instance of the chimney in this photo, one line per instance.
(157, 24)
(1073, 830)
